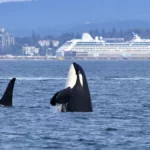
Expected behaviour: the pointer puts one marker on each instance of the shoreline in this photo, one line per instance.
(75, 58)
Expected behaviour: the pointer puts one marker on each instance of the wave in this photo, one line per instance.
(129, 78)
(119, 78)
(33, 78)
(61, 78)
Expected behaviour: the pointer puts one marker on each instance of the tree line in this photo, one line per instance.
(62, 38)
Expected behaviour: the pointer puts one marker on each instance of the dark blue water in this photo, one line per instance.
(120, 93)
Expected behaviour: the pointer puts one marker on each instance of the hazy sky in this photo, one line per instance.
(57, 13)
(4, 1)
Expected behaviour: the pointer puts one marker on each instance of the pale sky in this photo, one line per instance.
(6, 1)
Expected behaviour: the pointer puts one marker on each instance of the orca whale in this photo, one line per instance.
(6, 99)
(76, 95)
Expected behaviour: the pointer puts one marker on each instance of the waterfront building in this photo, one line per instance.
(30, 50)
(43, 43)
(98, 48)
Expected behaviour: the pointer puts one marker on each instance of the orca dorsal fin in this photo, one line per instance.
(6, 100)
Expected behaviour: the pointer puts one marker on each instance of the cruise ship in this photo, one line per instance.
(99, 48)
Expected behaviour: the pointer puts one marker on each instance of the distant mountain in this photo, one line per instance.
(57, 16)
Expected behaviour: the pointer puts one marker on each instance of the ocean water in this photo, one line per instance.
(120, 92)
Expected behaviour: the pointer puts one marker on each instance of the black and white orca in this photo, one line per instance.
(6, 99)
(76, 96)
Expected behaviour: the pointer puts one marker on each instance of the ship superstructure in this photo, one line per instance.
(87, 47)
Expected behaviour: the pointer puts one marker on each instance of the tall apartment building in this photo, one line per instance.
(6, 39)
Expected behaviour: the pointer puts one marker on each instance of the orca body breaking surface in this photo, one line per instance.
(76, 96)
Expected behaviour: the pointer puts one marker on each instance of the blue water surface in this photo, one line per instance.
(120, 92)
